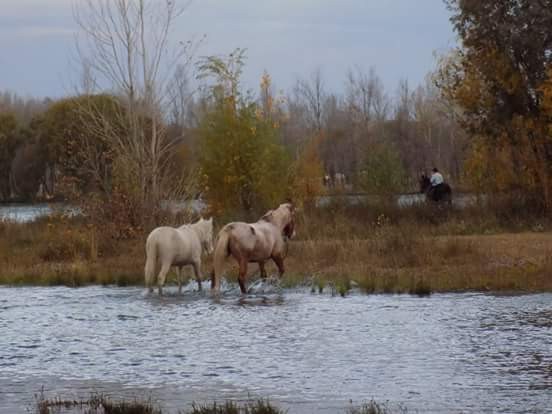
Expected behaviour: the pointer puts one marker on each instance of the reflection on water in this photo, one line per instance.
(447, 353)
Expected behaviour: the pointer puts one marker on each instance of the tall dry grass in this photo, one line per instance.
(377, 248)
(382, 248)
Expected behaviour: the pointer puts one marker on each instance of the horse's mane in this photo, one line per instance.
(267, 216)
(276, 217)
(200, 226)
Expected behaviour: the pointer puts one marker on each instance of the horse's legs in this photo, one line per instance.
(280, 264)
(242, 275)
(214, 284)
(262, 269)
(179, 279)
(197, 271)
(162, 276)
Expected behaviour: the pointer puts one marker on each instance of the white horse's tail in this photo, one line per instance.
(151, 258)
(219, 258)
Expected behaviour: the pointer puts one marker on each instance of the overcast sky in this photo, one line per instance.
(289, 38)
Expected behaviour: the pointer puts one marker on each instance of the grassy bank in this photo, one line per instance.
(375, 248)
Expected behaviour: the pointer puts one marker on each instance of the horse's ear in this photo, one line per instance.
(291, 206)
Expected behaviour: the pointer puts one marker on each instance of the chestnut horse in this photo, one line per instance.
(254, 243)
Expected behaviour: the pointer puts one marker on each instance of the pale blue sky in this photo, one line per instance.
(289, 38)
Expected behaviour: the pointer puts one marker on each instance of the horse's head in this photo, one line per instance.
(424, 182)
(283, 218)
(289, 219)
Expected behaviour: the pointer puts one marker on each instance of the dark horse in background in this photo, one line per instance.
(438, 194)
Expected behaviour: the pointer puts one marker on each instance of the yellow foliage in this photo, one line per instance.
(307, 182)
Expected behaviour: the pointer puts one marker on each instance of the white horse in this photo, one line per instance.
(177, 247)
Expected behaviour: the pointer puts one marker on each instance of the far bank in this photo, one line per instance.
(379, 249)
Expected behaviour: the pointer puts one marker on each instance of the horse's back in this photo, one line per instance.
(244, 234)
(161, 235)
(258, 240)
(252, 238)
(177, 245)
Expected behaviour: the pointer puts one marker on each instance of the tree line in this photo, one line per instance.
(138, 133)
(377, 142)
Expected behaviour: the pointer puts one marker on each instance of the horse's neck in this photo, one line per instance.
(278, 221)
(184, 227)
(197, 228)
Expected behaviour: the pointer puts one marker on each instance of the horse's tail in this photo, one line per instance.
(219, 257)
(151, 258)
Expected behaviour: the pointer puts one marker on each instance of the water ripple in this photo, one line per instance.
(446, 353)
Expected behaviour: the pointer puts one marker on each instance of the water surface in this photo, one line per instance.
(469, 353)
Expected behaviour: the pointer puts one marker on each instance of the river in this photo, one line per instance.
(28, 212)
(449, 353)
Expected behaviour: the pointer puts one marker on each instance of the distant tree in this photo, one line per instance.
(9, 140)
(73, 144)
(365, 97)
(382, 171)
(24, 109)
(311, 92)
(28, 170)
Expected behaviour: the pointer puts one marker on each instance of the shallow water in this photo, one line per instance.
(28, 212)
(307, 352)
(23, 213)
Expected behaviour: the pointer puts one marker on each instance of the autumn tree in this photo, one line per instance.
(245, 168)
(308, 174)
(499, 78)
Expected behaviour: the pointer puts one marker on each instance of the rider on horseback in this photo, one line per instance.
(437, 184)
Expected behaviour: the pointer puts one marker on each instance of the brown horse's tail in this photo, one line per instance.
(219, 258)
(151, 258)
